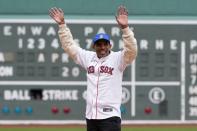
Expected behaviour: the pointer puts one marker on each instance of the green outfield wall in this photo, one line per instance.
(40, 84)
(100, 7)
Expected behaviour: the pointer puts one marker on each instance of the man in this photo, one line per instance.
(104, 70)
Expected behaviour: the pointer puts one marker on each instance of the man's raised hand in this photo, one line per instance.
(57, 14)
(122, 17)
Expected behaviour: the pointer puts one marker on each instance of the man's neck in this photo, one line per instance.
(104, 55)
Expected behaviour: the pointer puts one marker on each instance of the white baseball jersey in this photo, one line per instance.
(104, 75)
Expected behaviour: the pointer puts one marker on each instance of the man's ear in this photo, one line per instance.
(93, 46)
(110, 45)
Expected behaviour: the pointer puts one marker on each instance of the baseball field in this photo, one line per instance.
(130, 128)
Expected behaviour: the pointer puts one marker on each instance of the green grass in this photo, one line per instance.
(42, 129)
(123, 129)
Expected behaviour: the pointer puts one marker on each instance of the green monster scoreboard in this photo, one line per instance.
(39, 83)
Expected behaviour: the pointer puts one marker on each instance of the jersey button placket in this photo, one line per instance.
(96, 91)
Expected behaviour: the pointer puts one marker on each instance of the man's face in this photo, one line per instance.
(102, 48)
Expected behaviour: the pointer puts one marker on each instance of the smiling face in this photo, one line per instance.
(102, 48)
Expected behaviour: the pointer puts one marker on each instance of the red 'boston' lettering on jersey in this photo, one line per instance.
(106, 69)
(90, 69)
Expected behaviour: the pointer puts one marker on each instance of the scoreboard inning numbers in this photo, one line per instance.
(38, 80)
